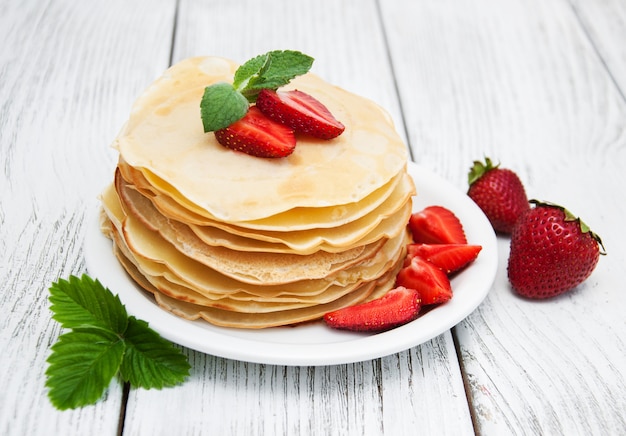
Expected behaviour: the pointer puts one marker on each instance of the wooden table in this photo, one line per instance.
(538, 85)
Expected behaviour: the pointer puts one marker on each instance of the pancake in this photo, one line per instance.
(385, 222)
(150, 247)
(242, 302)
(292, 220)
(164, 138)
(227, 318)
(246, 242)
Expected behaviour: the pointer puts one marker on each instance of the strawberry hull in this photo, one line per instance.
(550, 254)
(499, 193)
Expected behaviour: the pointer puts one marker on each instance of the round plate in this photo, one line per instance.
(315, 343)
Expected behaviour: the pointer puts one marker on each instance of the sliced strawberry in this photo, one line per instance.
(257, 135)
(398, 306)
(436, 225)
(299, 111)
(448, 257)
(430, 281)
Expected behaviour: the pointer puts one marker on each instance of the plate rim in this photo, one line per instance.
(217, 341)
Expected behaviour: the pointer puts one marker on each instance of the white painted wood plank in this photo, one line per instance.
(396, 394)
(520, 81)
(515, 80)
(344, 37)
(605, 23)
(68, 72)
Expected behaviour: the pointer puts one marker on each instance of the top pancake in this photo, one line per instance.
(164, 137)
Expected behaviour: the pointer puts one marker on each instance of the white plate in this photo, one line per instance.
(315, 343)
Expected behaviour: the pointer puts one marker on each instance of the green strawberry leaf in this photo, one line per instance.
(221, 105)
(104, 341)
(81, 367)
(84, 302)
(479, 169)
(151, 361)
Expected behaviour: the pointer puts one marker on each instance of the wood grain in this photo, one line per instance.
(360, 398)
(538, 85)
(230, 397)
(67, 77)
(521, 82)
(605, 25)
(326, 30)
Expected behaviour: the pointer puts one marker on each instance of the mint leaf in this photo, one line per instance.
(221, 105)
(84, 302)
(251, 69)
(151, 361)
(81, 366)
(271, 70)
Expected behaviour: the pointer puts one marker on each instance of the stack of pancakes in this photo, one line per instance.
(247, 242)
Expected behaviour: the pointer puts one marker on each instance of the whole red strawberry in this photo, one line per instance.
(551, 252)
(499, 193)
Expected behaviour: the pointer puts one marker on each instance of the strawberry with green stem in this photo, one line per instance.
(552, 252)
(499, 193)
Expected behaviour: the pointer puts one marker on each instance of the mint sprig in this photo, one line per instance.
(224, 103)
(271, 70)
(104, 341)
